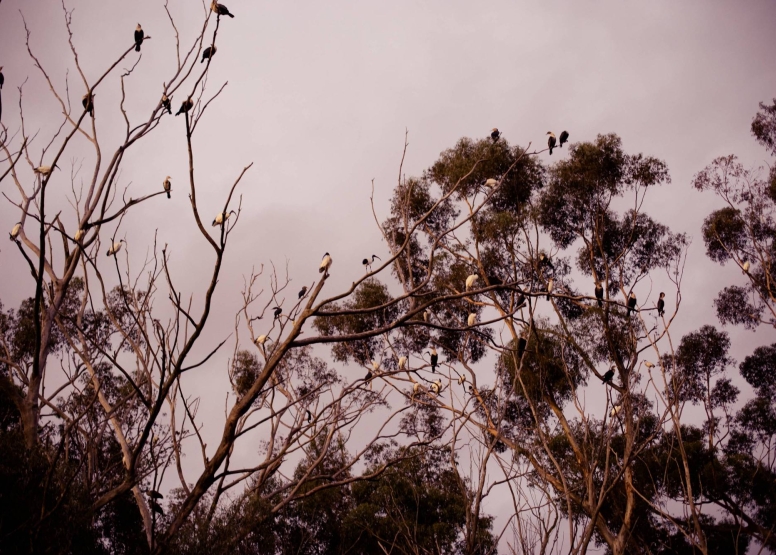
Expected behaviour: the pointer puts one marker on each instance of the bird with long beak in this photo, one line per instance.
(325, 264)
(260, 340)
(44, 170)
(746, 266)
(88, 104)
(649, 364)
(472, 319)
(276, 312)
(551, 141)
(495, 134)
(115, 248)
(186, 105)
(661, 304)
(436, 386)
(208, 53)
(462, 379)
(15, 230)
(139, 36)
(167, 103)
(415, 388)
(471, 281)
(564, 137)
(220, 9)
(425, 315)
(167, 186)
(221, 217)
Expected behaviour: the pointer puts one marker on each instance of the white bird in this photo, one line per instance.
(472, 319)
(425, 315)
(114, 248)
(325, 264)
(376, 366)
(745, 267)
(167, 186)
(436, 386)
(402, 362)
(648, 364)
(79, 235)
(491, 182)
(15, 231)
(471, 280)
(44, 170)
(260, 340)
(615, 410)
(462, 379)
(415, 388)
(222, 217)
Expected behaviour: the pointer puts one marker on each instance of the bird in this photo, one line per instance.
(186, 105)
(599, 293)
(2, 78)
(608, 376)
(631, 302)
(368, 264)
(564, 137)
(167, 103)
(471, 280)
(746, 266)
(309, 416)
(434, 359)
(436, 386)
(522, 342)
(139, 35)
(462, 379)
(649, 364)
(208, 53)
(79, 235)
(402, 362)
(154, 494)
(325, 264)
(15, 231)
(167, 186)
(302, 291)
(156, 507)
(44, 170)
(661, 305)
(425, 315)
(415, 388)
(88, 103)
(551, 141)
(615, 410)
(221, 217)
(491, 182)
(220, 9)
(472, 319)
(276, 312)
(260, 340)
(115, 248)
(550, 284)
(545, 260)
(495, 134)
(376, 366)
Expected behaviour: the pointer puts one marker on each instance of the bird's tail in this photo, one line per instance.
(600, 304)
(230, 15)
(168, 194)
(137, 48)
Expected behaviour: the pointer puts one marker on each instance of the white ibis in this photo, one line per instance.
(415, 388)
(15, 230)
(375, 366)
(550, 285)
(491, 182)
(462, 379)
(325, 264)
(139, 35)
(167, 186)
(208, 53)
(368, 264)
(608, 376)
(44, 170)
(472, 319)
(402, 362)
(115, 248)
(661, 304)
(649, 364)
(551, 141)
(260, 340)
(471, 280)
(302, 291)
(425, 315)
(564, 137)
(746, 266)
(436, 386)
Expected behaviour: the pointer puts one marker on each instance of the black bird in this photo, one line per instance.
(2, 77)
(88, 103)
(599, 294)
(661, 304)
(551, 141)
(139, 35)
(368, 264)
(550, 283)
(631, 302)
(495, 134)
(325, 264)
(154, 494)
(208, 53)
(608, 376)
(564, 137)
(521, 345)
(166, 103)
(520, 300)
(545, 260)
(276, 312)
(302, 291)
(186, 105)
(309, 416)
(434, 359)
(220, 9)
(156, 507)
(368, 376)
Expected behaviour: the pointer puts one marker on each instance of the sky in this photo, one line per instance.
(320, 94)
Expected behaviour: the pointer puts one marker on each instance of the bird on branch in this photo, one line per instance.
(564, 137)
(368, 264)
(551, 141)
(325, 264)
(220, 9)
(167, 186)
(139, 36)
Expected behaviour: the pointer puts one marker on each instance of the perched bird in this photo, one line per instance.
(415, 388)
(564, 137)
(472, 319)
(368, 376)
(220, 9)
(376, 366)
(522, 343)
(44, 170)
(631, 302)
(153, 494)
(208, 53)
(551, 141)
(88, 103)
(599, 293)
(615, 410)
(167, 186)
(649, 364)
(425, 315)
(2, 77)
(260, 340)
(186, 105)
(114, 248)
(139, 35)
(302, 291)
(79, 235)
(434, 359)
(550, 284)
(156, 507)
(746, 266)
(462, 379)
(15, 231)
(495, 134)
(491, 182)
(167, 103)
(520, 301)
(436, 386)
(368, 264)
(276, 312)
(402, 362)
(608, 376)
(221, 217)
(325, 264)
(309, 416)
(544, 260)
(661, 305)
(471, 280)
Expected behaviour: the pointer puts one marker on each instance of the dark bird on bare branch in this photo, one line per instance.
(220, 9)
(302, 291)
(325, 264)
(631, 302)
(139, 35)
(564, 137)
(167, 103)
(45, 170)
(88, 103)
(368, 264)
(608, 376)
(599, 294)
(661, 304)
(208, 53)
(551, 141)
(186, 105)
(495, 134)
(309, 416)
(276, 312)
(167, 186)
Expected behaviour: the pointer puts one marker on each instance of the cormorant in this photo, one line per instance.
(2, 78)
(167, 103)
(661, 305)
(325, 264)
(220, 9)
(88, 104)
(551, 141)
(434, 359)
(186, 105)
(608, 376)
(309, 416)
(221, 217)
(156, 507)
(114, 248)
(631, 302)
(138, 37)
(302, 291)
(564, 137)
(368, 264)
(599, 294)
(167, 186)
(208, 53)
(276, 312)
(495, 134)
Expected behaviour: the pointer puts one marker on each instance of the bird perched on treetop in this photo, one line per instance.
(167, 186)
(491, 182)
(208, 53)
(153, 494)
(221, 217)
(139, 35)
(545, 261)
(551, 141)
(309, 416)
(114, 248)
(434, 359)
(415, 388)
(564, 137)
(88, 104)
(425, 315)
(550, 284)
(325, 264)
(495, 134)
(471, 280)
(648, 364)
(302, 291)
(462, 379)
(156, 507)
(608, 376)
(44, 170)
(368, 264)
(599, 293)
(15, 231)
(661, 305)
(220, 9)
(167, 103)
(186, 105)
(631, 302)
